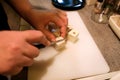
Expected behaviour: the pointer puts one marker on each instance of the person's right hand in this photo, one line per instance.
(17, 51)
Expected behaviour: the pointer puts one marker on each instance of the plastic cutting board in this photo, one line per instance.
(80, 59)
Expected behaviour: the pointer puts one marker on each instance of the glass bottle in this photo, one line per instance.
(117, 7)
(98, 6)
(98, 12)
(106, 11)
(108, 6)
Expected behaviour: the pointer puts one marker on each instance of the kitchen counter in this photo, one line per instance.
(104, 37)
(106, 40)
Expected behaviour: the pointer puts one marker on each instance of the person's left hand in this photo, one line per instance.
(41, 18)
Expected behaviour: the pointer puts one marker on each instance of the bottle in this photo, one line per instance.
(98, 6)
(103, 10)
(108, 6)
(117, 7)
(98, 14)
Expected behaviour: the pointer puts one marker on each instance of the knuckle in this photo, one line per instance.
(14, 47)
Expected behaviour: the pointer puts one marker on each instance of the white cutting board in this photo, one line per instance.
(80, 59)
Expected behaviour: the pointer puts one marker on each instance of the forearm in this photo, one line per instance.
(22, 7)
(39, 19)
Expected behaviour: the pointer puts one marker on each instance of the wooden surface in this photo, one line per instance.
(107, 41)
(103, 35)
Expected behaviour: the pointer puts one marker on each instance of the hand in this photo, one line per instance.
(41, 18)
(17, 51)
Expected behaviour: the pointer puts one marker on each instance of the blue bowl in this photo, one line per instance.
(69, 4)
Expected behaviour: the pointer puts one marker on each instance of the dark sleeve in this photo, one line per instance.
(3, 77)
(3, 19)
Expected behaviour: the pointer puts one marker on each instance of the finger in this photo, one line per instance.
(49, 35)
(63, 16)
(64, 20)
(26, 61)
(30, 51)
(61, 12)
(63, 31)
(63, 27)
(34, 36)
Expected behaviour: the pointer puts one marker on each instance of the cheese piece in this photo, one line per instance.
(73, 35)
(60, 44)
